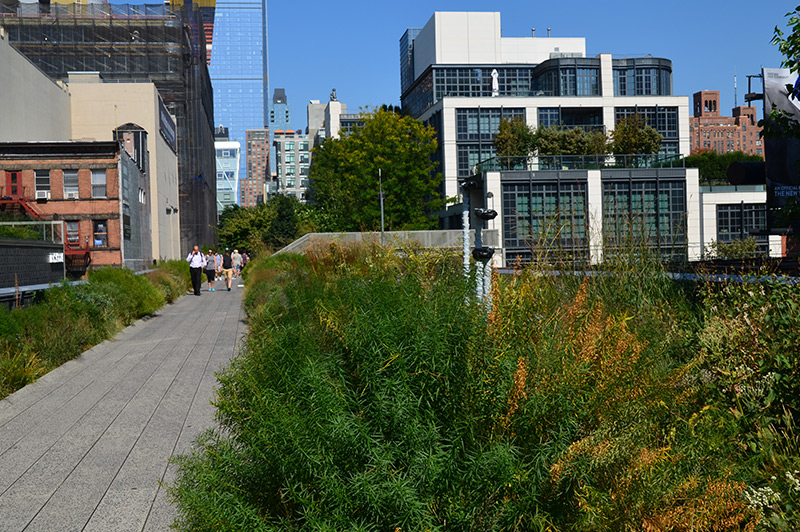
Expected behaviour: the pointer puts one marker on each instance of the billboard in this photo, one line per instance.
(782, 153)
(166, 125)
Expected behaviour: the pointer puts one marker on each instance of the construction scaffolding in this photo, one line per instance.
(129, 43)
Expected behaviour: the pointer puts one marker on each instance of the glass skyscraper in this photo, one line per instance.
(239, 68)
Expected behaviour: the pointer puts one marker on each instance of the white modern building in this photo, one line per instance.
(462, 77)
(229, 154)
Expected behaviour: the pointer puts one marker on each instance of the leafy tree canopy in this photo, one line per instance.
(632, 136)
(344, 174)
(714, 167)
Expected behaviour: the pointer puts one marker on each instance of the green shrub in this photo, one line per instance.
(375, 394)
(133, 295)
(66, 320)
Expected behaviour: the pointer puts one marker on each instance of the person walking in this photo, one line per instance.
(237, 262)
(196, 264)
(218, 264)
(227, 268)
(245, 259)
(211, 270)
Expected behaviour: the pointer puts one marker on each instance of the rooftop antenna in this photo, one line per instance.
(548, 32)
(735, 89)
(533, 32)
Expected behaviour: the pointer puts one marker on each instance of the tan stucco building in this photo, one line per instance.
(98, 108)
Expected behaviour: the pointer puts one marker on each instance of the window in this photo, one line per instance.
(100, 233)
(71, 184)
(42, 180)
(289, 159)
(549, 116)
(290, 171)
(290, 146)
(303, 146)
(73, 235)
(98, 183)
(289, 182)
(738, 222)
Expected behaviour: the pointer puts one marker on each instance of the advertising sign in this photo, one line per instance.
(782, 153)
(166, 125)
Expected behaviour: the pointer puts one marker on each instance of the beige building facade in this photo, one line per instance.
(34, 107)
(98, 108)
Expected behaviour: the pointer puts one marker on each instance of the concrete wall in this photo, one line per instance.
(476, 38)
(32, 106)
(26, 262)
(427, 239)
(97, 108)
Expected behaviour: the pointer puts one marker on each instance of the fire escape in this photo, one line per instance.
(15, 201)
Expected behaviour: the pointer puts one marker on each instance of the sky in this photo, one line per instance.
(353, 46)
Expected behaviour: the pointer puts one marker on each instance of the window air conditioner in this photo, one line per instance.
(72, 195)
(42, 194)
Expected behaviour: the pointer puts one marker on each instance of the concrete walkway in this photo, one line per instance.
(87, 446)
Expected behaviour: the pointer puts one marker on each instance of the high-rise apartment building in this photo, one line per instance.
(239, 68)
(722, 134)
(463, 77)
(228, 155)
(256, 184)
(292, 159)
(158, 43)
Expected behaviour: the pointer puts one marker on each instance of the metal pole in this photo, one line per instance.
(480, 265)
(465, 226)
(380, 188)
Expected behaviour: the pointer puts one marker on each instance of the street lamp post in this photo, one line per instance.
(380, 188)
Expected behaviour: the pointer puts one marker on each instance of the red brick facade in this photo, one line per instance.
(102, 212)
(251, 186)
(711, 132)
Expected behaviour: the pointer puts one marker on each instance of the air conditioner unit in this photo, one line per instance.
(72, 195)
(42, 194)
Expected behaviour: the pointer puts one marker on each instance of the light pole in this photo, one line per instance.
(380, 189)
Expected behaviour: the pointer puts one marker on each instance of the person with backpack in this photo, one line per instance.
(227, 268)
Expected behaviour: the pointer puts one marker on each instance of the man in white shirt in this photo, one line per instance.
(196, 262)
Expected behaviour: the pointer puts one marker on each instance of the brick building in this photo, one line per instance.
(95, 188)
(251, 186)
(711, 132)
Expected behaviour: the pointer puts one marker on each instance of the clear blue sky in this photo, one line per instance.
(353, 45)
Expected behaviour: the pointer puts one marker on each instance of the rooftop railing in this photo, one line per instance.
(577, 162)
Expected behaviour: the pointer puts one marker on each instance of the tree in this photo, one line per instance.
(713, 167)
(283, 227)
(632, 136)
(344, 174)
(515, 140)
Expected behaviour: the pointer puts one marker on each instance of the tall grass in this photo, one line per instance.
(375, 394)
(66, 320)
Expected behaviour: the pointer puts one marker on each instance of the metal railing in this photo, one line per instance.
(577, 162)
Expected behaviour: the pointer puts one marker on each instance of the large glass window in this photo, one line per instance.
(549, 116)
(663, 119)
(70, 184)
(740, 220)
(653, 212)
(475, 132)
(548, 218)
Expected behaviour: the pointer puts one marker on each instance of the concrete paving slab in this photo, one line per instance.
(87, 447)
